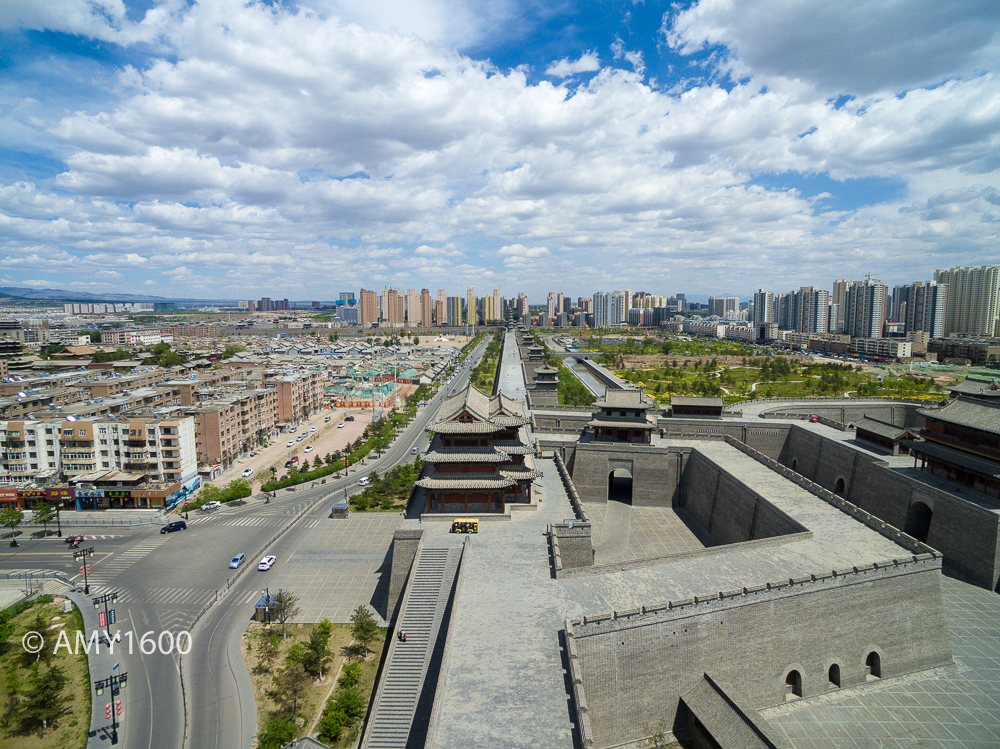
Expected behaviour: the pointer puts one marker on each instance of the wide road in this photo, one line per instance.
(221, 707)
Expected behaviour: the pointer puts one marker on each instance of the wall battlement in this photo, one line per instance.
(776, 588)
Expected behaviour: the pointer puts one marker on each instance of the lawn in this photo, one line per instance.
(66, 710)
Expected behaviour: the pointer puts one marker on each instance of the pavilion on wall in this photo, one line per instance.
(480, 459)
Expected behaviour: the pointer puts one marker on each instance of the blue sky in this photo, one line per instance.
(233, 149)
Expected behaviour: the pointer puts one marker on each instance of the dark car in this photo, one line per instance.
(349, 418)
(73, 539)
(177, 525)
(288, 464)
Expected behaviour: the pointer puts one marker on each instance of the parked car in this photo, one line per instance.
(288, 464)
(309, 448)
(295, 458)
(237, 561)
(312, 429)
(247, 472)
(267, 562)
(291, 443)
(341, 425)
(350, 418)
(177, 525)
(213, 505)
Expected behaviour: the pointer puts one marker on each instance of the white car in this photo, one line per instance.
(267, 562)
(364, 481)
(213, 505)
(300, 438)
(247, 472)
(291, 443)
(312, 429)
(309, 449)
(340, 425)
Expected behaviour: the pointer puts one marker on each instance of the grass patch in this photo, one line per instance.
(69, 716)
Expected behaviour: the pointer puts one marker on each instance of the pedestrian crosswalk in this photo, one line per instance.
(118, 564)
(249, 522)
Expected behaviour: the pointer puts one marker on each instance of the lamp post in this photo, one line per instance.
(115, 683)
(109, 615)
(81, 556)
(274, 472)
(58, 520)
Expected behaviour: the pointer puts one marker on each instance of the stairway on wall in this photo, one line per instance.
(398, 705)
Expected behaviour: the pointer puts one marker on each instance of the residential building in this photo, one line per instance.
(925, 308)
(882, 348)
(442, 309)
(866, 308)
(228, 427)
(550, 309)
(724, 306)
(763, 307)
(392, 307)
(368, 314)
(426, 308)
(973, 300)
(455, 310)
(413, 316)
(523, 310)
(602, 309)
(298, 394)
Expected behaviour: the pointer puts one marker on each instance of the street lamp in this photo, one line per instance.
(115, 683)
(274, 472)
(81, 556)
(58, 520)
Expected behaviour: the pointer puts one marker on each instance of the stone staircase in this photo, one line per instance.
(401, 707)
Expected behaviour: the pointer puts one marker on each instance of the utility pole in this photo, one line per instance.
(115, 683)
(109, 614)
(81, 556)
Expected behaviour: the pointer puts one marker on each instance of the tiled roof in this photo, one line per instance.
(686, 400)
(465, 427)
(521, 474)
(625, 398)
(975, 386)
(466, 455)
(889, 431)
(967, 412)
(597, 421)
(432, 482)
(959, 458)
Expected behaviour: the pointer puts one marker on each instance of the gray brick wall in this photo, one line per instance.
(635, 666)
(656, 471)
(404, 548)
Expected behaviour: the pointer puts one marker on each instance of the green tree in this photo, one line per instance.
(292, 684)
(416, 340)
(231, 350)
(284, 606)
(317, 653)
(350, 675)
(267, 649)
(44, 701)
(331, 725)
(11, 518)
(364, 628)
(278, 732)
(237, 489)
(42, 515)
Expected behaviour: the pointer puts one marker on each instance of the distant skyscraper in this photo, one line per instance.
(618, 311)
(866, 305)
(812, 310)
(470, 306)
(724, 306)
(839, 297)
(454, 310)
(926, 308)
(346, 296)
(426, 308)
(442, 301)
(550, 308)
(497, 304)
(628, 300)
(763, 307)
(369, 307)
(681, 302)
(523, 307)
(973, 304)
(392, 307)
(412, 308)
(602, 309)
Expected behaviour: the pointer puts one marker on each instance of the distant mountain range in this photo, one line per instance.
(17, 292)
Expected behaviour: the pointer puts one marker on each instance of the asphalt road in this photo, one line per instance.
(222, 709)
(164, 580)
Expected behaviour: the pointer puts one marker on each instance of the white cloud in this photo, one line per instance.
(271, 147)
(856, 48)
(588, 62)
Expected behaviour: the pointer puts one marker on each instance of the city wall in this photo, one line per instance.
(630, 668)
(656, 471)
(967, 534)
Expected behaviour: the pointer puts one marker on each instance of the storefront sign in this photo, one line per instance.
(63, 494)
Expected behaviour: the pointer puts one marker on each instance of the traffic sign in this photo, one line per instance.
(102, 620)
(112, 620)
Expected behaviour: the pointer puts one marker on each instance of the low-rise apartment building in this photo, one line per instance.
(298, 393)
(229, 426)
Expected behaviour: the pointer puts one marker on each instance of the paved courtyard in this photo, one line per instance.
(624, 533)
(957, 709)
(339, 565)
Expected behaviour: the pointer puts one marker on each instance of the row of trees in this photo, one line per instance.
(387, 491)
(235, 489)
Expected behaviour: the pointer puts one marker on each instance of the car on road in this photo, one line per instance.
(326, 419)
(295, 459)
(237, 561)
(341, 425)
(177, 525)
(350, 418)
(288, 464)
(813, 418)
(291, 443)
(74, 539)
(364, 481)
(312, 429)
(267, 562)
(213, 505)
(414, 450)
(247, 472)
(300, 438)
(309, 449)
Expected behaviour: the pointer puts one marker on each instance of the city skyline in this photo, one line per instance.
(231, 150)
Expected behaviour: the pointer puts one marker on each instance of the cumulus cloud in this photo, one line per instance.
(588, 62)
(855, 48)
(262, 145)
